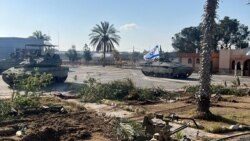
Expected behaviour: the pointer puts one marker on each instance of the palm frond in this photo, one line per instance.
(115, 40)
(103, 36)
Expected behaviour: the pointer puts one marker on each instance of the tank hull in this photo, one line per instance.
(167, 70)
(59, 74)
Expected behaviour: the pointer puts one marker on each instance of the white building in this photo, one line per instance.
(8, 45)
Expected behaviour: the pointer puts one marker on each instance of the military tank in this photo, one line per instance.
(8, 63)
(48, 63)
(166, 69)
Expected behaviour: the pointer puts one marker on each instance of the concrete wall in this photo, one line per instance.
(194, 64)
(215, 64)
(224, 61)
(184, 61)
(8, 45)
(196, 60)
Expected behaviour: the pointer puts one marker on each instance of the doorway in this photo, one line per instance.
(246, 68)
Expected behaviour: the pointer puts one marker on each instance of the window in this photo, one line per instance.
(189, 61)
(197, 61)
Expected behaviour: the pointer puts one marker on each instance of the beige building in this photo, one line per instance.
(235, 62)
(193, 60)
(227, 61)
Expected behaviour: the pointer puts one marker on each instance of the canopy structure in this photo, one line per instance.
(37, 49)
(40, 45)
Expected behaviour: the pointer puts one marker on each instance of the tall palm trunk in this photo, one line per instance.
(104, 55)
(208, 27)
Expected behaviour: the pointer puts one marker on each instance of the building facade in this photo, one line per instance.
(9, 45)
(235, 62)
(226, 61)
(193, 60)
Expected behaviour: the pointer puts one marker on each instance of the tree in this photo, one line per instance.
(167, 56)
(72, 54)
(39, 35)
(229, 33)
(242, 37)
(86, 53)
(103, 38)
(187, 40)
(232, 33)
(208, 27)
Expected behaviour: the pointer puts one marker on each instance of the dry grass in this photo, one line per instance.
(227, 113)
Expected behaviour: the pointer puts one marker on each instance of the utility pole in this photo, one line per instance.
(133, 57)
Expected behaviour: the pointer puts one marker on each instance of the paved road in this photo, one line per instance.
(107, 74)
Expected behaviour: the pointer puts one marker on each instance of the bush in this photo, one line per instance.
(93, 91)
(21, 102)
(179, 135)
(191, 89)
(150, 93)
(119, 89)
(30, 85)
(33, 83)
(128, 130)
(218, 89)
(5, 107)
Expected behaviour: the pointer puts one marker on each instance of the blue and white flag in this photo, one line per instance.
(152, 54)
(248, 53)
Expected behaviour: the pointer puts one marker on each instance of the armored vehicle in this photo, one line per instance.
(8, 63)
(37, 61)
(166, 69)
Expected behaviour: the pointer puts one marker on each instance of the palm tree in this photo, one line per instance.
(208, 28)
(39, 35)
(103, 38)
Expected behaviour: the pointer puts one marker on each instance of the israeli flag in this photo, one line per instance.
(152, 54)
(248, 53)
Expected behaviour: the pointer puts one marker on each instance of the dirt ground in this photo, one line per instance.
(74, 126)
(234, 110)
(80, 124)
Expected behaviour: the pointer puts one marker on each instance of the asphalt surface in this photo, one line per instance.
(107, 74)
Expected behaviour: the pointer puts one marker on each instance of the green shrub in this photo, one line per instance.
(90, 90)
(191, 89)
(220, 89)
(149, 94)
(120, 88)
(22, 101)
(30, 85)
(179, 135)
(217, 88)
(5, 107)
(128, 130)
(93, 91)
(33, 83)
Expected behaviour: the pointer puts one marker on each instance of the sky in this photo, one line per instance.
(142, 24)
